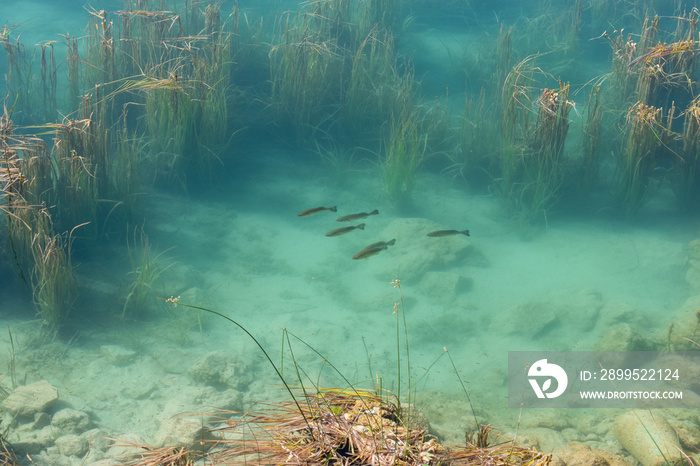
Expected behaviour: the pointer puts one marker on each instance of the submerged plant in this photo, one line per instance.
(53, 283)
(530, 155)
(403, 153)
(145, 271)
(335, 426)
(640, 154)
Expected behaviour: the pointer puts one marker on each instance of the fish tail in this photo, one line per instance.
(465, 233)
(361, 226)
(391, 243)
(334, 208)
(374, 212)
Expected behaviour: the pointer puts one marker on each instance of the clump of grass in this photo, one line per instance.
(591, 138)
(53, 283)
(306, 74)
(146, 269)
(640, 155)
(402, 155)
(530, 152)
(36, 247)
(377, 87)
(35, 96)
(686, 169)
(165, 456)
(343, 426)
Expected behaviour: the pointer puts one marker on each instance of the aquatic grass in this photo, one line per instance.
(53, 283)
(530, 152)
(403, 152)
(686, 166)
(165, 456)
(34, 96)
(146, 269)
(639, 157)
(306, 72)
(591, 138)
(100, 49)
(476, 138)
(377, 87)
(546, 146)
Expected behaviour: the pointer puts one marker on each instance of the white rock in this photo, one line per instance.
(647, 436)
(184, 431)
(32, 442)
(70, 421)
(97, 438)
(444, 285)
(415, 253)
(28, 400)
(117, 355)
(72, 445)
(219, 368)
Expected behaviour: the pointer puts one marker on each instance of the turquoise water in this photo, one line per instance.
(584, 271)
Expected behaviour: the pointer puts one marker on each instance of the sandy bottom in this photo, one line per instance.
(246, 254)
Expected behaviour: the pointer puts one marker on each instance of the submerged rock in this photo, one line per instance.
(576, 310)
(220, 369)
(580, 454)
(72, 445)
(27, 400)
(622, 337)
(70, 421)
(647, 436)
(189, 432)
(31, 442)
(415, 253)
(117, 355)
(444, 286)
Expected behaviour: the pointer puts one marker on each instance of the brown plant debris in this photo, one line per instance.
(347, 427)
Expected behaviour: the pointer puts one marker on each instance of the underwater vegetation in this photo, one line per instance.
(156, 95)
(165, 95)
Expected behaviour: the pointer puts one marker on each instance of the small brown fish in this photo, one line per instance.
(448, 233)
(353, 217)
(315, 210)
(342, 231)
(374, 248)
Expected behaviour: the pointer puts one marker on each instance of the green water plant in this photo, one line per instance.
(306, 74)
(377, 87)
(403, 152)
(34, 96)
(53, 283)
(686, 166)
(639, 156)
(146, 269)
(530, 152)
(591, 139)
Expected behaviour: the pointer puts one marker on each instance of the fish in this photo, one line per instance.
(449, 233)
(374, 248)
(342, 231)
(352, 217)
(315, 210)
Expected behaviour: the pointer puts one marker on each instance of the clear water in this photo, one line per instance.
(237, 246)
